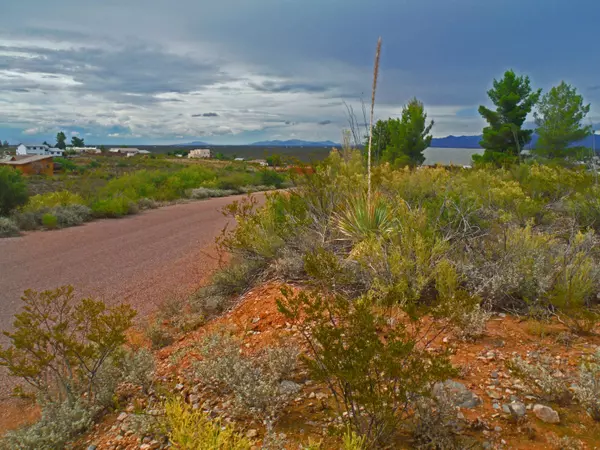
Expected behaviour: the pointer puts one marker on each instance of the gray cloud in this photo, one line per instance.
(136, 70)
(277, 87)
(324, 122)
(209, 114)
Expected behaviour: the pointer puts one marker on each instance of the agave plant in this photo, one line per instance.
(360, 220)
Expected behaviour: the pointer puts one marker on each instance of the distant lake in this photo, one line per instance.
(447, 156)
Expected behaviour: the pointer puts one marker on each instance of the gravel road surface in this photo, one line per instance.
(142, 259)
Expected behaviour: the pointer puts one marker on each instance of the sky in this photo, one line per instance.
(239, 71)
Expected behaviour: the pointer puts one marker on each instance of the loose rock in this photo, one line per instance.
(546, 414)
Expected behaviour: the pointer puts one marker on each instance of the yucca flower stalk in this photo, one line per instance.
(375, 75)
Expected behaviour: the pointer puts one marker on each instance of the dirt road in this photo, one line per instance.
(141, 260)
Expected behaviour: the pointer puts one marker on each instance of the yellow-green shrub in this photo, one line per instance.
(52, 200)
(191, 429)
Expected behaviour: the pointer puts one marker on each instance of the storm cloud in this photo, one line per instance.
(272, 68)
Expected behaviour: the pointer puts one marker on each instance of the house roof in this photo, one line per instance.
(20, 160)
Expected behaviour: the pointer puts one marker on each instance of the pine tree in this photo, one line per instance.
(504, 138)
(558, 119)
(408, 136)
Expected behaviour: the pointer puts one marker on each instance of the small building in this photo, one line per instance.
(200, 153)
(238, 159)
(38, 149)
(31, 164)
(79, 150)
(127, 151)
(260, 162)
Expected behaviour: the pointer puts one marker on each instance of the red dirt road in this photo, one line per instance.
(142, 260)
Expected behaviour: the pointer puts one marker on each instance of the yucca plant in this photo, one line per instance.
(362, 219)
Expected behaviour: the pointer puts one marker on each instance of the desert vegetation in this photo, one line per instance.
(116, 187)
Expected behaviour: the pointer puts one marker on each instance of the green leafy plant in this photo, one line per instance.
(13, 190)
(59, 346)
(373, 380)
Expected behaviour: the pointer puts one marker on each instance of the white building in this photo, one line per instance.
(38, 149)
(84, 149)
(200, 153)
(127, 151)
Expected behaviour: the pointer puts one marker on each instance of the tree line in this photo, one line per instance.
(559, 116)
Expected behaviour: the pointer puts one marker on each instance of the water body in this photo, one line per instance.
(448, 156)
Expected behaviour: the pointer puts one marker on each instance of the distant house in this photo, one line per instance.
(38, 149)
(260, 162)
(31, 164)
(127, 151)
(200, 153)
(238, 159)
(93, 150)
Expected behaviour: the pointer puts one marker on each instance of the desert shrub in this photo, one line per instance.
(59, 346)
(236, 278)
(194, 430)
(202, 192)
(470, 325)
(137, 367)
(13, 190)
(159, 336)
(59, 423)
(511, 269)
(436, 424)
(587, 387)
(114, 207)
(541, 379)
(8, 227)
(52, 200)
(71, 215)
(49, 221)
(257, 382)
(209, 301)
(373, 380)
(147, 203)
(271, 178)
(575, 287)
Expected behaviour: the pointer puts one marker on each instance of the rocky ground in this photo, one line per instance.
(494, 406)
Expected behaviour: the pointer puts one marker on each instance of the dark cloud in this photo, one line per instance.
(276, 87)
(324, 122)
(208, 114)
(141, 70)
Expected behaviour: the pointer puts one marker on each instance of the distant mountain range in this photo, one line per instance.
(295, 143)
(187, 144)
(473, 142)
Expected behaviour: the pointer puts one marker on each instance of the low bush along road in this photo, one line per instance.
(141, 260)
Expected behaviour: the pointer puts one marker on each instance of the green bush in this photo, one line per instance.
(49, 221)
(58, 345)
(114, 207)
(13, 190)
(378, 377)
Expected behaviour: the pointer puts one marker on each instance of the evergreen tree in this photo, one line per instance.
(408, 136)
(61, 140)
(77, 142)
(558, 121)
(504, 137)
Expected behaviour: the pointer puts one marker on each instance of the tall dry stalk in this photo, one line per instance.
(375, 75)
